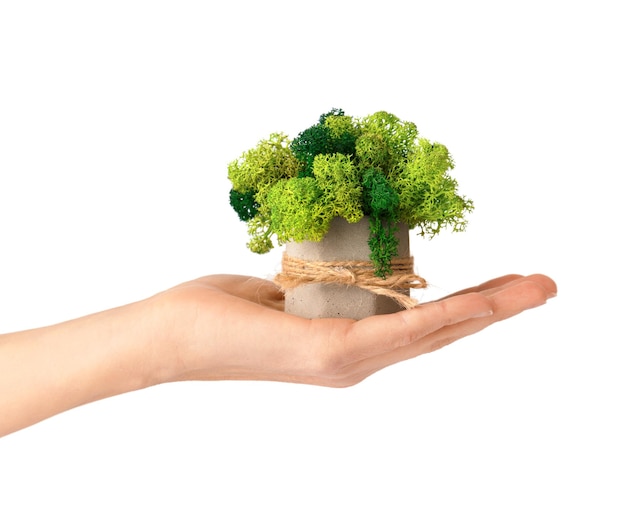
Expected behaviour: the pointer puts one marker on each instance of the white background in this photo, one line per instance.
(117, 122)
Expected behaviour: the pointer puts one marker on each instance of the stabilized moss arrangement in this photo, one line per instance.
(376, 166)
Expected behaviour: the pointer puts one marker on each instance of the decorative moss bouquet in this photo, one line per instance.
(376, 167)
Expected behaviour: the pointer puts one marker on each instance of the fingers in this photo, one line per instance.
(525, 293)
(510, 300)
(377, 342)
(488, 285)
(546, 283)
(377, 335)
(494, 300)
(511, 279)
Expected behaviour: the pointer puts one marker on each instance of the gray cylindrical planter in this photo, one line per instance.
(344, 241)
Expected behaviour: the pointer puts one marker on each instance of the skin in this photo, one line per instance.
(227, 327)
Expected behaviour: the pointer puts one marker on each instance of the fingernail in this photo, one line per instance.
(483, 314)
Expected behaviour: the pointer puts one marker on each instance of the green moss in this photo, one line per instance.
(334, 133)
(260, 235)
(380, 202)
(339, 180)
(297, 213)
(346, 167)
(383, 245)
(428, 194)
(244, 204)
(385, 141)
(261, 167)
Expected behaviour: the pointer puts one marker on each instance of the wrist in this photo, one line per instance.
(158, 329)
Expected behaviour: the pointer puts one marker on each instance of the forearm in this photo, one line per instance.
(46, 371)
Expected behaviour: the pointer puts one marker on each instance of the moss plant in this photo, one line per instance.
(376, 166)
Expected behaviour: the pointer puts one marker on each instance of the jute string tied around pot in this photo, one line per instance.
(296, 272)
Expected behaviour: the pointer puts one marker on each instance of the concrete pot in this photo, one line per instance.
(344, 241)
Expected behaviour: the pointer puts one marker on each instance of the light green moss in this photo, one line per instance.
(261, 167)
(340, 182)
(297, 211)
(385, 141)
(428, 194)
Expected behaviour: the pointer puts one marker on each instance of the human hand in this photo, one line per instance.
(234, 327)
(231, 327)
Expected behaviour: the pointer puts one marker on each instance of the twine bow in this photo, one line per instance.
(358, 273)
